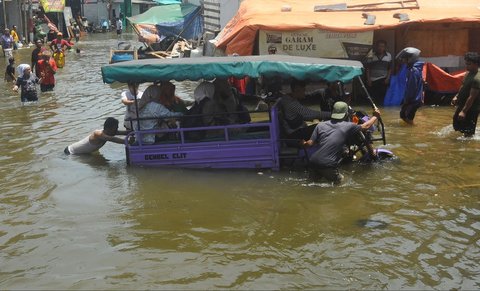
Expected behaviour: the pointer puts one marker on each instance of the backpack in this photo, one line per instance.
(193, 118)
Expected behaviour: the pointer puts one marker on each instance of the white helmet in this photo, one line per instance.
(410, 53)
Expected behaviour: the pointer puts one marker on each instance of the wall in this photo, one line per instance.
(95, 12)
(217, 13)
(14, 16)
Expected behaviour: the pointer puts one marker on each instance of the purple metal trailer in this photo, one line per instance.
(254, 145)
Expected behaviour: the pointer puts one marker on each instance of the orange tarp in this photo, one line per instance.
(440, 81)
(239, 34)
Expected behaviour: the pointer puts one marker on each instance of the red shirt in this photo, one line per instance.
(49, 69)
(59, 45)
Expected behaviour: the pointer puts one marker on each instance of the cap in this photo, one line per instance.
(339, 110)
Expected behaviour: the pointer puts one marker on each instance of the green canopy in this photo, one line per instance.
(164, 14)
(179, 69)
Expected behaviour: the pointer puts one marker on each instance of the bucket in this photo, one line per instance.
(8, 53)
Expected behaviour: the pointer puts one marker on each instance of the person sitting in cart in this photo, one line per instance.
(169, 99)
(295, 114)
(97, 139)
(225, 103)
(155, 112)
(332, 137)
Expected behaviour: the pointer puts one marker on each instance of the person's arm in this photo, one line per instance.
(389, 72)
(454, 100)
(313, 138)
(15, 88)
(33, 61)
(125, 99)
(52, 65)
(305, 112)
(468, 104)
(67, 43)
(366, 125)
(105, 137)
(52, 45)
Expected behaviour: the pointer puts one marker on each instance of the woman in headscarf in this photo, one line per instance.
(28, 83)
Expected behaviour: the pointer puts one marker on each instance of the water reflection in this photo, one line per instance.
(94, 223)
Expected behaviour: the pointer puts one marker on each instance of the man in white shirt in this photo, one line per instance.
(378, 71)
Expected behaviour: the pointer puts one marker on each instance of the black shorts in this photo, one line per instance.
(468, 125)
(119, 31)
(408, 111)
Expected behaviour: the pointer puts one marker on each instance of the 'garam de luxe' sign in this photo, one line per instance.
(316, 43)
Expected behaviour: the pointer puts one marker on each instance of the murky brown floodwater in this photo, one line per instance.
(93, 223)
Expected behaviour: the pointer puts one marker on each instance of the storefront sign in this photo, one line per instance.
(316, 43)
(53, 5)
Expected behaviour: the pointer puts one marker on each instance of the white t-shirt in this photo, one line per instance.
(130, 113)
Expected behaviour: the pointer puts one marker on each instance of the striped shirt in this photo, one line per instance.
(379, 66)
(293, 110)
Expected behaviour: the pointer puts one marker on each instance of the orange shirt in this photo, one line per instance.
(48, 69)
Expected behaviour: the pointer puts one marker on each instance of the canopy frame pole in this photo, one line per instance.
(380, 121)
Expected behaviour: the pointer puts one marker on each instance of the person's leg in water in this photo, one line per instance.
(407, 113)
(331, 174)
(466, 126)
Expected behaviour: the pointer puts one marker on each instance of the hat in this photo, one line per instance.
(339, 110)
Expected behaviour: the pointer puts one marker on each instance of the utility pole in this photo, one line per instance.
(4, 14)
(31, 25)
(25, 22)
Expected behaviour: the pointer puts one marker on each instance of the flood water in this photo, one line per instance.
(91, 222)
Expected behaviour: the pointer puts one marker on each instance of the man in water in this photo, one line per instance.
(36, 55)
(413, 97)
(94, 141)
(332, 137)
(6, 40)
(59, 44)
(467, 100)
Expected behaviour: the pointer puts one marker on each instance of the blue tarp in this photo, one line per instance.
(173, 20)
(396, 90)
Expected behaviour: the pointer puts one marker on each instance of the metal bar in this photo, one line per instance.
(380, 121)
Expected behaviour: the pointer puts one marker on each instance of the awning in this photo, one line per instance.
(239, 34)
(180, 69)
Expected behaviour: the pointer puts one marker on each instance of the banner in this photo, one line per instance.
(316, 43)
(53, 5)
